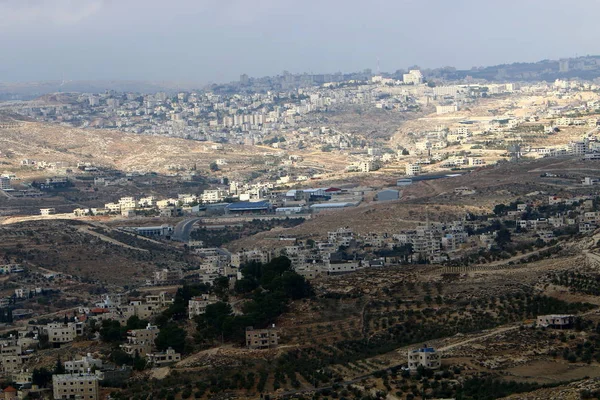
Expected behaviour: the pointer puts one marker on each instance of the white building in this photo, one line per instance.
(413, 169)
(128, 203)
(214, 195)
(446, 109)
(426, 357)
(83, 365)
(414, 77)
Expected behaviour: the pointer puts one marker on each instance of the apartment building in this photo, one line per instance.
(128, 203)
(243, 257)
(214, 195)
(141, 340)
(413, 169)
(262, 338)
(113, 207)
(11, 356)
(63, 333)
(197, 305)
(5, 183)
(341, 236)
(75, 386)
(425, 356)
(149, 201)
(85, 364)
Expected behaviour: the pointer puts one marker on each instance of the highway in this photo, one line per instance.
(183, 229)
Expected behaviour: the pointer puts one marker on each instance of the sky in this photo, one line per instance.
(214, 41)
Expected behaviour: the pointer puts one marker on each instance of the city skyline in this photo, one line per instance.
(206, 41)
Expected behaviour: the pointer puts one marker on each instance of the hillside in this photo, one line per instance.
(89, 252)
(112, 149)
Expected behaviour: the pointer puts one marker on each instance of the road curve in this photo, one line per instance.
(183, 229)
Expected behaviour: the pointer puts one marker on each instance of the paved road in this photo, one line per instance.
(183, 229)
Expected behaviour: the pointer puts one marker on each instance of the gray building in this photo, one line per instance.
(388, 194)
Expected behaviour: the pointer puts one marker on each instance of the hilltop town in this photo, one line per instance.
(413, 235)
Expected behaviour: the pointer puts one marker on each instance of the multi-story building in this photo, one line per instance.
(113, 207)
(163, 358)
(214, 195)
(149, 201)
(75, 386)
(244, 257)
(426, 357)
(85, 364)
(63, 333)
(11, 356)
(413, 169)
(578, 148)
(167, 277)
(141, 340)
(197, 305)
(341, 237)
(5, 183)
(446, 109)
(261, 338)
(128, 203)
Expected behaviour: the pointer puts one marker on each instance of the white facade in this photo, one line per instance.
(414, 77)
(426, 357)
(413, 169)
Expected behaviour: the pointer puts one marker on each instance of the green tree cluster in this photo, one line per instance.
(268, 289)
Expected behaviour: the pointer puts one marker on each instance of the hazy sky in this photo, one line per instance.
(216, 40)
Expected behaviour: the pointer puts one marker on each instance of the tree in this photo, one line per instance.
(134, 322)
(214, 167)
(500, 209)
(111, 331)
(119, 357)
(41, 377)
(221, 287)
(295, 285)
(139, 363)
(171, 336)
(405, 152)
(245, 285)
(59, 368)
(503, 237)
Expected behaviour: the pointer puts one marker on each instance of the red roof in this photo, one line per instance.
(98, 310)
(333, 189)
(10, 389)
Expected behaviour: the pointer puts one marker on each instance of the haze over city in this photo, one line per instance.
(216, 41)
(299, 200)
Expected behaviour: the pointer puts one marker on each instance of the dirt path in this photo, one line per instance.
(87, 230)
